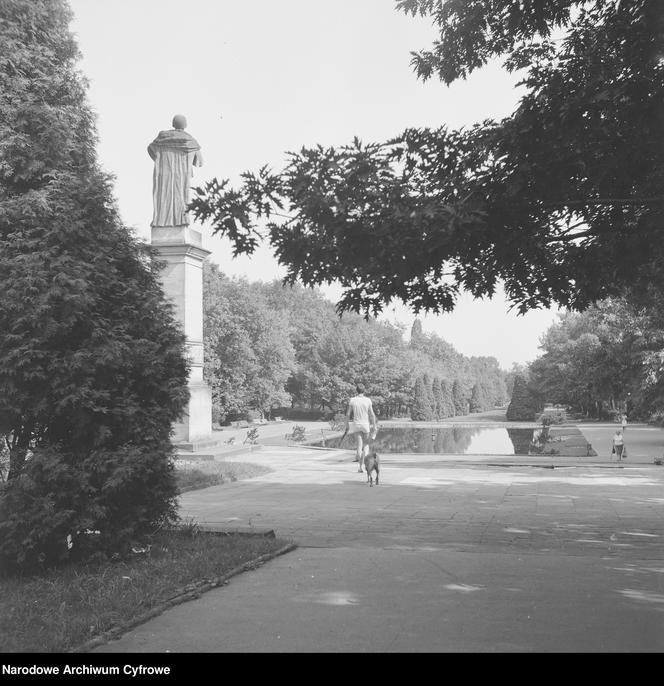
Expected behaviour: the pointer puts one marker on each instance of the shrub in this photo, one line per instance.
(557, 416)
(298, 433)
(132, 491)
(38, 510)
(62, 508)
(252, 436)
(657, 418)
(218, 418)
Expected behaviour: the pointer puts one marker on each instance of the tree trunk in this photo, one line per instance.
(17, 458)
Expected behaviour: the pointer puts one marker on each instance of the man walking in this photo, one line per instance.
(619, 445)
(361, 421)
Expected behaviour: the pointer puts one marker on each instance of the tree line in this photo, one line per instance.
(605, 360)
(270, 346)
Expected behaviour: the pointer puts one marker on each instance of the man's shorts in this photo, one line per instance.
(358, 428)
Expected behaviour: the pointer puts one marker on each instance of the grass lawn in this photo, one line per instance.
(62, 609)
(206, 474)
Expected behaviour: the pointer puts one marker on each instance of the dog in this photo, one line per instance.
(372, 464)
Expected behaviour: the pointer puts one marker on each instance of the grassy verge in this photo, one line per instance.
(216, 473)
(62, 609)
(568, 441)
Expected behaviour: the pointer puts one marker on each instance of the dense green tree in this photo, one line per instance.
(90, 354)
(439, 401)
(458, 399)
(249, 356)
(600, 359)
(447, 402)
(525, 403)
(516, 370)
(491, 379)
(416, 333)
(431, 400)
(561, 201)
(420, 410)
(478, 401)
(92, 364)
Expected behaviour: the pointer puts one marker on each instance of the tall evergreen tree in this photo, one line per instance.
(478, 401)
(447, 402)
(524, 404)
(420, 408)
(428, 387)
(439, 401)
(458, 398)
(92, 364)
(416, 334)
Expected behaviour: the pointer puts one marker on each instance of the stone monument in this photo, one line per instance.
(175, 153)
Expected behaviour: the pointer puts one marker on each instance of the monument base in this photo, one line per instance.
(194, 427)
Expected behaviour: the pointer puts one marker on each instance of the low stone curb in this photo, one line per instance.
(190, 592)
(223, 530)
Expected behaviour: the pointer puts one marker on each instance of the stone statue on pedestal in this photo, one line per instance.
(175, 154)
(179, 249)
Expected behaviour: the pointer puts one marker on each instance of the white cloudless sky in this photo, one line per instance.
(258, 78)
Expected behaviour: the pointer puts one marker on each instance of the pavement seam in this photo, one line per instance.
(193, 592)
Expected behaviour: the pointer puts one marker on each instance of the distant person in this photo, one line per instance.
(619, 445)
(623, 422)
(361, 421)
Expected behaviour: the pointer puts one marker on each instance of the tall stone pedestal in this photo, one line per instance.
(180, 247)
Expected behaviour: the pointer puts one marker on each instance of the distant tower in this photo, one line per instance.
(175, 153)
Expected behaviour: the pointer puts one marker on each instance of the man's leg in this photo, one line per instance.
(358, 448)
(364, 450)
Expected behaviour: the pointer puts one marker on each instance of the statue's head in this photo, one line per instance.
(179, 121)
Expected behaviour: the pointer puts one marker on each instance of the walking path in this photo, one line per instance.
(447, 554)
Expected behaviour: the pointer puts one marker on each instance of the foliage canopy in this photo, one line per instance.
(561, 201)
(92, 364)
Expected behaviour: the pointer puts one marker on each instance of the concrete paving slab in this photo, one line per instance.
(453, 556)
(419, 599)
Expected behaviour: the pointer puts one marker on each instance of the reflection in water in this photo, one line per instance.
(447, 441)
(521, 440)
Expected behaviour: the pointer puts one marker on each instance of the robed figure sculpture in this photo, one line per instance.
(175, 154)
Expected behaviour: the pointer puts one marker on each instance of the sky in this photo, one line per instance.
(258, 78)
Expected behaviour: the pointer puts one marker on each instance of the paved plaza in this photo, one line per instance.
(449, 553)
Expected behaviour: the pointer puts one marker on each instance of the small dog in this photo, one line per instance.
(372, 464)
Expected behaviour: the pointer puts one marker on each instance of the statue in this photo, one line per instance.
(175, 153)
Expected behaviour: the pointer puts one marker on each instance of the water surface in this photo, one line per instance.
(448, 441)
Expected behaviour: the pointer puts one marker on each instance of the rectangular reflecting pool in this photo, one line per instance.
(449, 440)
